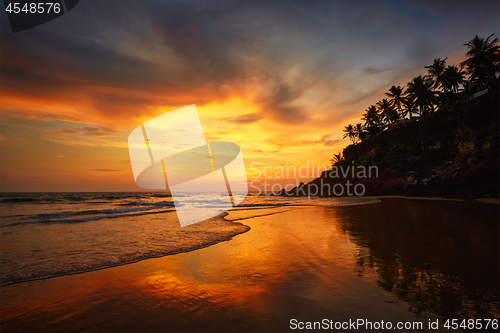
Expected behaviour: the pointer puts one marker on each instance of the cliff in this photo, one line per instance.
(453, 152)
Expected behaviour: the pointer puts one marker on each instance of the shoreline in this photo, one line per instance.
(302, 263)
(398, 196)
(225, 286)
(161, 255)
(483, 200)
(233, 224)
(377, 199)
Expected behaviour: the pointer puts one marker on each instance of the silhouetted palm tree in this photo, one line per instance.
(420, 89)
(397, 98)
(483, 62)
(436, 70)
(360, 131)
(389, 114)
(371, 116)
(337, 158)
(409, 107)
(372, 120)
(349, 132)
(452, 78)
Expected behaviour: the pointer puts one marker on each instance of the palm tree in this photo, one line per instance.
(337, 158)
(483, 62)
(360, 131)
(452, 78)
(409, 107)
(420, 89)
(371, 116)
(372, 120)
(349, 132)
(436, 70)
(397, 98)
(389, 114)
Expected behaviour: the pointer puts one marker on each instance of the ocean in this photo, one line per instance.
(256, 268)
(52, 234)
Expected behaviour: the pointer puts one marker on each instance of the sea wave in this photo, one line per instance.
(58, 218)
(69, 237)
(74, 259)
(17, 200)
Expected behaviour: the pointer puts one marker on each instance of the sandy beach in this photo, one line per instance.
(307, 263)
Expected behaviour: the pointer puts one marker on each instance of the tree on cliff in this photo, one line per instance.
(388, 113)
(396, 97)
(372, 120)
(442, 86)
(483, 62)
(451, 80)
(420, 89)
(337, 158)
(360, 131)
(409, 107)
(349, 132)
(435, 71)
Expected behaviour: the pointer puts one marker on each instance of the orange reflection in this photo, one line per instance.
(308, 263)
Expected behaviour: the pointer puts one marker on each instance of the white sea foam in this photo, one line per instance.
(46, 235)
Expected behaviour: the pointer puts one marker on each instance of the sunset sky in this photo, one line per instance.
(279, 78)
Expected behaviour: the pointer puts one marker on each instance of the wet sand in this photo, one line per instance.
(296, 262)
(483, 200)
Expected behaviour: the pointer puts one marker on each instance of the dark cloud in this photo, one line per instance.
(328, 142)
(124, 58)
(278, 102)
(90, 131)
(97, 131)
(372, 71)
(49, 117)
(65, 131)
(245, 119)
(331, 143)
(361, 99)
(11, 123)
(324, 141)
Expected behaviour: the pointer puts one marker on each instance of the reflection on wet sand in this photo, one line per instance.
(305, 263)
(439, 256)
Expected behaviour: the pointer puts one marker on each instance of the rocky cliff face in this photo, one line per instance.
(453, 153)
